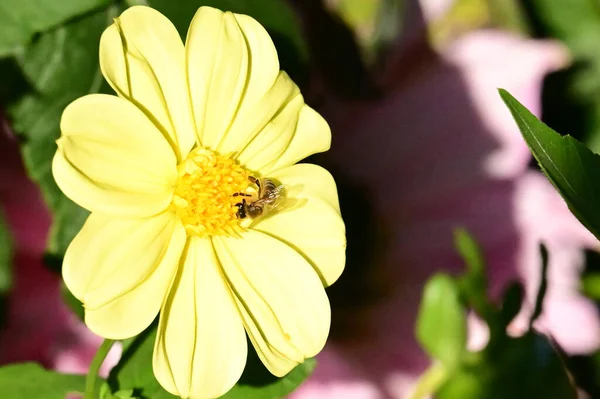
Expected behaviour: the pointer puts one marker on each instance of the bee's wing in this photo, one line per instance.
(283, 202)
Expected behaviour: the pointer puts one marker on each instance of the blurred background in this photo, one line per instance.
(422, 145)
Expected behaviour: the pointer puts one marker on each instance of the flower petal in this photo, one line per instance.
(232, 64)
(314, 189)
(217, 68)
(143, 59)
(121, 270)
(312, 136)
(201, 347)
(272, 124)
(283, 303)
(241, 102)
(111, 159)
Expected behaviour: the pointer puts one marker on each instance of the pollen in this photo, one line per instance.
(205, 199)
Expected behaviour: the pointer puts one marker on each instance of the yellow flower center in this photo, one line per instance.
(204, 194)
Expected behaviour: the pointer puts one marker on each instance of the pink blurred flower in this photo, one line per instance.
(441, 150)
(39, 327)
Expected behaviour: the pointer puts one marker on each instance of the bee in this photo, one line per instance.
(267, 198)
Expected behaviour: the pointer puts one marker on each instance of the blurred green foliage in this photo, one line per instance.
(508, 367)
(20, 20)
(572, 96)
(375, 23)
(31, 381)
(60, 66)
(571, 105)
(575, 172)
(442, 323)
(467, 15)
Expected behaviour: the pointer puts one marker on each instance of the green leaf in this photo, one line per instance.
(5, 258)
(105, 393)
(525, 367)
(31, 381)
(512, 301)
(471, 253)
(275, 15)
(21, 19)
(134, 372)
(571, 167)
(257, 383)
(474, 281)
(6, 274)
(541, 293)
(61, 66)
(591, 285)
(442, 324)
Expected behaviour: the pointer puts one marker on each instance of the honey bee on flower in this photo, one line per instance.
(168, 169)
(266, 199)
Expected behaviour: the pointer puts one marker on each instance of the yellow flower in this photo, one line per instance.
(165, 169)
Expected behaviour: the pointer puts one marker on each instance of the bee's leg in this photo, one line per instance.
(254, 180)
(241, 195)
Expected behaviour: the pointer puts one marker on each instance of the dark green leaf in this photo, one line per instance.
(571, 167)
(21, 19)
(442, 324)
(473, 283)
(105, 393)
(526, 367)
(61, 66)
(275, 15)
(133, 372)
(541, 293)
(258, 383)
(572, 96)
(511, 304)
(31, 381)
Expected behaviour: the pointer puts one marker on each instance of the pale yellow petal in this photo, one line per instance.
(272, 125)
(143, 59)
(217, 67)
(311, 222)
(111, 158)
(278, 131)
(121, 270)
(242, 103)
(201, 348)
(263, 97)
(312, 135)
(282, 300)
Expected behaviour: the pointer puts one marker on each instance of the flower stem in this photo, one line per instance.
(90, 381)
(430, 381)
